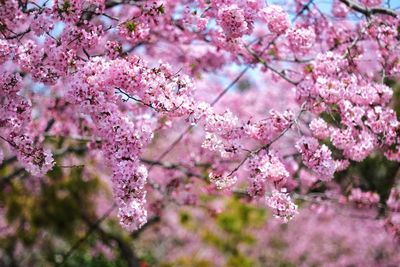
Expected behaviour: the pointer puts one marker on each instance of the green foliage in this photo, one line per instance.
(161, 9)
(49, 211)
(188, 262)
(244, 85)
(79, 260)
(376, 173)
(65, 6)
(228, 233)
(332, 117)
(130, 26)
(239, 216)
(184, 218)
(56, 207)
(148, 257)
(396, 95)
(308, 68)
(234, 226)
(239, 260)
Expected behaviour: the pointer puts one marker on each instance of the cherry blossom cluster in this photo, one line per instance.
(276, 18)
(16, 120)
(105, 85)
(316, 157)
(266, 170)
(282, 205)
(392, 222)
(222, 181)
(362, 199)
(233, 21)
(301, 39)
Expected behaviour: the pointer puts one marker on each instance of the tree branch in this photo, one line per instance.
(369, 11)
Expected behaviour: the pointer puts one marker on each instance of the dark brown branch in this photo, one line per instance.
(266, 65)
(369, 11)
(172, 166)
(17, 35)
(93, 227)
(5, 180)
(149, 223)
(7, 161)
(126, 250)
(128, 96)
(113, 3)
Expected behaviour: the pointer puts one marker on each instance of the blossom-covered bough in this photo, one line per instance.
(172, 99)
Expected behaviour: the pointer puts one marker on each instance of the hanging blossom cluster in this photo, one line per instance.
(282, 205)
(128, 77)
(392, 222)
(276, 18)
(233, 22)
(222, 181)
(266, 170)
(316, 157)
(301, 39)
(103, 85)
(16, 120)
(363, 199)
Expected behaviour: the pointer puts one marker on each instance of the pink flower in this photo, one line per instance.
(222, 181)
(319, 128)
(276, 18)
(267, 129)
(371, 3)
(132, 215)
(316, 157)
(339, 9)
(362, 199)
(281, 205)
(393, 201)
(301, 39)
(232, 21)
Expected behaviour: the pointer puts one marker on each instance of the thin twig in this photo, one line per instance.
(92, 229)
(369, 11)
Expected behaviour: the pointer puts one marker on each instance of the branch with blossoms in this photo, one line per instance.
(368, 11)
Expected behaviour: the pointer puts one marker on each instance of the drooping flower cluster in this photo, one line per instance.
(319, 128)
(301, 39)
(316, 157)
(16, 125)
(392, 222)
(222, 181)
(124, 136)
(359, 106)
(363, 199)
(266, 170)
(233, 21)
(282, 205)
(276, 18)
